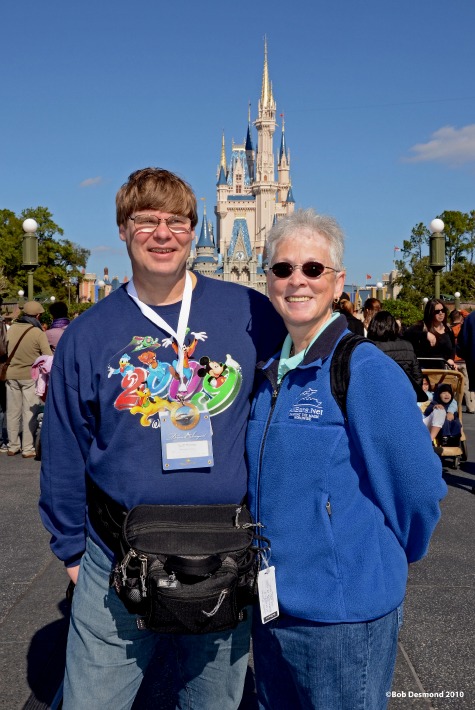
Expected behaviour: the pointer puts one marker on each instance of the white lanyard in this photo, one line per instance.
(180, 333)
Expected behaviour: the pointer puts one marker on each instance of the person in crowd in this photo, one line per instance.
(137, 351)
(23, 405)
(345, 306)
(370, 307)
(342, 514)
(443, 400)
(456, 319)
(3, 390)
(436, 418)
(466, 348)
(432, 337)
(59, 313)
(383, 330)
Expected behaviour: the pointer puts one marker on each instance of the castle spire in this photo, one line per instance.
(223, 154)
(283, 145)
(266, 92)
(206, 239)
(248, 136)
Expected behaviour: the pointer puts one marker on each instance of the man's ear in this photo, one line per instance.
(122, 232)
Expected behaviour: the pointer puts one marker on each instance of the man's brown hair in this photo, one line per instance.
(155, 189)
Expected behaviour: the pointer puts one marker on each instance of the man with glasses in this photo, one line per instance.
(138, 352)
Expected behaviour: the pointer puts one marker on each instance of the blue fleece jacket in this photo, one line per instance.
(346, 504)
(114, 370)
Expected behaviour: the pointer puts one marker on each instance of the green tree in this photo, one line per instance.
(461, 278)
(405, 311)
(457, 236)
(414, 246)
(415, 275)
(59, 259)
(416, 280)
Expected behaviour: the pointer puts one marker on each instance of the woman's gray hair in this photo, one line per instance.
(309, 224)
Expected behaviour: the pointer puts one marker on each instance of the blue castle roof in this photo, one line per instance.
(205, 239)
(240, 227)
(221, 177)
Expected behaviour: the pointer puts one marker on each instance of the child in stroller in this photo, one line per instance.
(451, 430)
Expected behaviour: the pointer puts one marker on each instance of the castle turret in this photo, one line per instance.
(206, 258)
(283, 167)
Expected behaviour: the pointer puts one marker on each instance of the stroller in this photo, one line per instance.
(455, 380)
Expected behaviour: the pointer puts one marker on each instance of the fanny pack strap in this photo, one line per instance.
(105, 515)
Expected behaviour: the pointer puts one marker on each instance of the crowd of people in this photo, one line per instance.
(431, 343)
(29, 349)
(236, 404)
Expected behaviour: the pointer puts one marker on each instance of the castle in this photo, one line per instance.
(249, 200)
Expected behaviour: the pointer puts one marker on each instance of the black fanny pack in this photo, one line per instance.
(187, 569)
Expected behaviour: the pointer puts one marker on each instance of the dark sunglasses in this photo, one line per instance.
(311, 269)
(439, 310)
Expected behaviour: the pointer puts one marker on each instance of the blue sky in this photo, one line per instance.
(379, 103)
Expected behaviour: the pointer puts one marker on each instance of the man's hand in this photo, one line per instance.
(73, 573)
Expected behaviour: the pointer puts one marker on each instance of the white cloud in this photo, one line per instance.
(91, 182)
(449, 145)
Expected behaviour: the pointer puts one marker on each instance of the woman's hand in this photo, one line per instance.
(450, 417)
(439, 406)
(451, 364)
(73, 573)
(432, 339)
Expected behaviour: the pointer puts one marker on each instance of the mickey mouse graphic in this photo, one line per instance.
(216, 371)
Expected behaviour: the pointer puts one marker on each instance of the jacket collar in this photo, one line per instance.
(325, 343)
(320, 350)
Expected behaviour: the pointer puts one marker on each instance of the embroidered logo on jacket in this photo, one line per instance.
(307, 406)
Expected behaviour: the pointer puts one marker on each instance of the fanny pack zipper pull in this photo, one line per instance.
(143, 574)
(123, 565)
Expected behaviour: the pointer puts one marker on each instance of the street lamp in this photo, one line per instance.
(101, 293)
(457, 300)
(437, 252)
(21, 301)
(30, 251)
(379, 291)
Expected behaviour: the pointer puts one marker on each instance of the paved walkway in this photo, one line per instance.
(436, 649)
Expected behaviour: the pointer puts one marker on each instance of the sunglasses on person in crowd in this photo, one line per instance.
(311, 269)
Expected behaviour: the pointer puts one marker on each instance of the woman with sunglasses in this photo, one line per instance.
(432, 337)
(342, 512)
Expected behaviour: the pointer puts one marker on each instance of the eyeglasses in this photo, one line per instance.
(439, 310)
(311, 269)
(176, 224)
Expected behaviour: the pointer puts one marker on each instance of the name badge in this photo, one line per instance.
(267, 590)
(186, 435)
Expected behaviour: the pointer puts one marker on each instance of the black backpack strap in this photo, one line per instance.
(340, 368)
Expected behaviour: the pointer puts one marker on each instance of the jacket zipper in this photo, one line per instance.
(275, 394)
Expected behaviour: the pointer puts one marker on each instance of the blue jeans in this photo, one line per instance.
(107, 654)
(305, 664)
